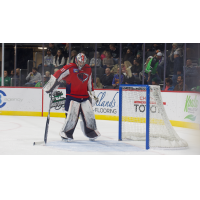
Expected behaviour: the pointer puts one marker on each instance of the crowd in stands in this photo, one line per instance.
(108, 67)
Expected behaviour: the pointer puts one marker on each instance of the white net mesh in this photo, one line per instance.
(161, 132)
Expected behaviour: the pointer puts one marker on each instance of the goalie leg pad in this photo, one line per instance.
(71, 120)
(89, 122)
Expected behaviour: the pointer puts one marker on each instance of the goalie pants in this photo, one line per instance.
(69, 99)
(74, 107)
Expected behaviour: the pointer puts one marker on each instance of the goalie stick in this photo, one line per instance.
(47, 125)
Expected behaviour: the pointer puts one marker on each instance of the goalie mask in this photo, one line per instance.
(80, 60)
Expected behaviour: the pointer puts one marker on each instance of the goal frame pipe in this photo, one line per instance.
(147, 115)
(147, 111)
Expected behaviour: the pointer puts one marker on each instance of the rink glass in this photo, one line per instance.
(25, 56)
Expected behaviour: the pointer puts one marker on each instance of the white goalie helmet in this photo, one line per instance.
(80, 60)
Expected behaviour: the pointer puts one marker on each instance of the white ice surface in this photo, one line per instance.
(17, 134)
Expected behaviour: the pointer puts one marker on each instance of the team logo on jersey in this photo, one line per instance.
(82, 76)
(75, 70)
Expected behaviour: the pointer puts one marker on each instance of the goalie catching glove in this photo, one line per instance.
(93, 98)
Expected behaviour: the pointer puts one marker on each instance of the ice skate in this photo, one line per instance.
(66, 138)
(93, 139)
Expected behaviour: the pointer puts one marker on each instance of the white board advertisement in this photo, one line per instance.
(179, 106)
(20, 99)
(108, 102)
(182, 106)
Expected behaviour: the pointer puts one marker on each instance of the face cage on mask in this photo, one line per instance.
(80, 64)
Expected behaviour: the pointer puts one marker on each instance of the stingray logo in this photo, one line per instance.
(58, 101)
(82, 77)
(2, 104)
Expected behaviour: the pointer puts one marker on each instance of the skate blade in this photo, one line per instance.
(67, 140)
(93, 139)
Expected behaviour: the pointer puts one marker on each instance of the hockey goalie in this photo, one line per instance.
(78, 77)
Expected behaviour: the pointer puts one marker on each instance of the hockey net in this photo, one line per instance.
(133, 119)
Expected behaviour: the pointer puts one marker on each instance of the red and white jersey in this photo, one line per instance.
(79, 82)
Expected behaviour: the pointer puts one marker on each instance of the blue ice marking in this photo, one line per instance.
(95, 146)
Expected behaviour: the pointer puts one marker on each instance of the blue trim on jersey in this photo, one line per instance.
(68, 88)
(69, 98)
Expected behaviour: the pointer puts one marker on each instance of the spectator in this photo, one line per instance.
(33, 77)
(190, 70)
(114, 69)
(73, 56)
(178, 62)
(115, 82)
(155, 47)
(98, 83)
(136, 68)
(48, 62)
(128, 56)
(128, 77)
(39, 83)
(168, 85)
(46, 79)
(135, 47)
(66, 51)
(59, 60)
(19, 80)
(48, 59)
(12, 74)
(107, 79)
(103, 55)
(55, 70)
(12, 78)
(174, 48)
(191, 74)
(7, 80)
(139, 58)
(47, 74)
(108, 61)
(128, 64)
(145, 65)
(161, 66)
(114, 53)
(179, 86)
(151, 69)
(52, 48)
(98, 61)
(174, 78)
(155, 81)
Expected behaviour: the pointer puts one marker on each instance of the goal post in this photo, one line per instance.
(142, 117)
(147, 110)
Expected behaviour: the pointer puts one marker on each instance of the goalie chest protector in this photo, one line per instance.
(77, 80)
